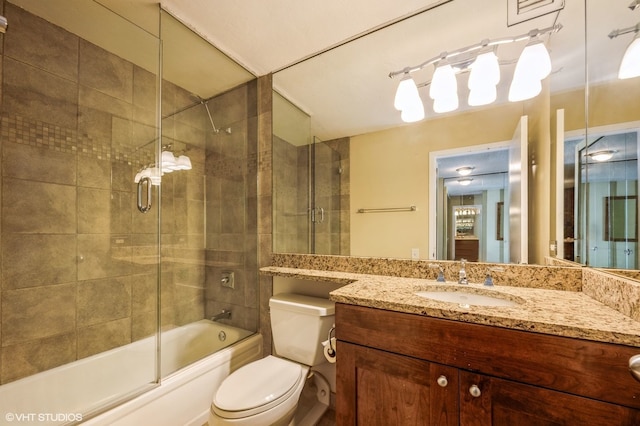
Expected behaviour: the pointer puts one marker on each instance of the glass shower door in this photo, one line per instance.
(325, 171)
(79, 286)
(607, 189)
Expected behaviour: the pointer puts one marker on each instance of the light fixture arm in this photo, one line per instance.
(634, 29)
(483, 44)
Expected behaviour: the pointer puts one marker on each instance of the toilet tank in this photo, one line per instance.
(299, 325)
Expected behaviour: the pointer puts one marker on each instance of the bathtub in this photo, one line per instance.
(74, 392)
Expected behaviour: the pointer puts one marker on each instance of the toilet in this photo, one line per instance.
(266, 392)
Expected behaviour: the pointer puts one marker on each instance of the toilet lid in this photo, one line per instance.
(262, 383)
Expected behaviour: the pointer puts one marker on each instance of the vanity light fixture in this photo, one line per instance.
(534, 65)
(630, 64)
(444, 87)
(603, 155)
(408, 100)
(465, 171)
(484, 77)
(485, 72)
(465, 181)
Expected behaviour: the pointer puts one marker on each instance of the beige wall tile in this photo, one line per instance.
(103, 336)
(41, 164)
(95, 125)
(105, 72)
(100, 258)
(122, 176)
(32, 260)
(122, 207)
(34, 356)
(103, 300)
(94, 172)
(95, 99)
(36, 94)
(94, 211)
(144, 293)
(143, 324)
(144, 96)
(34, 313)
(28, 30)
(37, 207)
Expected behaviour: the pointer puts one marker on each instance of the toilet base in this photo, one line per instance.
(314, 410)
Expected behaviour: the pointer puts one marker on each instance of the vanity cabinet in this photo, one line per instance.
(406, 369)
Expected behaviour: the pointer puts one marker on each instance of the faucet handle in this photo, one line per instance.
(488, 281)
(440, 277)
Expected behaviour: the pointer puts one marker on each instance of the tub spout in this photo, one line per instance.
(224, 314)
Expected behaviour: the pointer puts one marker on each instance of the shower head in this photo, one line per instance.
(3, 25)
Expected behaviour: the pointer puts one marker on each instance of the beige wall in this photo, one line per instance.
(390, 168)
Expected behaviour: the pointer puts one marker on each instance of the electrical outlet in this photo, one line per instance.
(415, 253)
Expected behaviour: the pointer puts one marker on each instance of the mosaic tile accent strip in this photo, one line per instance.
(21, 130)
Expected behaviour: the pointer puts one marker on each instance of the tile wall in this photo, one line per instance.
(79, 262)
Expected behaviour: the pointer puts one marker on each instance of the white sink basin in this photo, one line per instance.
(465, 298)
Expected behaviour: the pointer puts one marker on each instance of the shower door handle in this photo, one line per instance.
(321, 214)
(146, 206)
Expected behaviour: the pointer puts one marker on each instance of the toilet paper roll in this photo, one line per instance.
(329, 350)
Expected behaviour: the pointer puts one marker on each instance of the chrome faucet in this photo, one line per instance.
(224, 314)
(462, 275)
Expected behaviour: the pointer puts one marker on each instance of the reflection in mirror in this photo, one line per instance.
(311, 186)
(601, 177)
(387, 166)
(389, 163)
(472, 185)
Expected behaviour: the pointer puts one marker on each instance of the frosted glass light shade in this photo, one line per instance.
(445, 104)
(482, 95)
(600, 156)
(413, 114)
(443, 83)
(407, 96)
(168, 162)
(533, 66)
(485, 71)
(155, 175)
(183, 163)
(535, 59)
(630, 65)
(523, 89)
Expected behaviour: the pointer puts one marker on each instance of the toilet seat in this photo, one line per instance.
(272, 381)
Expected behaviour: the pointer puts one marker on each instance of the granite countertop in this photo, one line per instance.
(556, 312)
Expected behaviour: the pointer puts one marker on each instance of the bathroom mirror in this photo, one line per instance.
(346, 92)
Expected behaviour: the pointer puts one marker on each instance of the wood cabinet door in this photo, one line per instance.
(380, 388)
(491, 401)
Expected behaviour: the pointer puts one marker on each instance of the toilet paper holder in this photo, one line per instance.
(331, 351)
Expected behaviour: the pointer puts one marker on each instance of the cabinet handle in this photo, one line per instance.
(475, 392)
(442, 381)
(634, 366)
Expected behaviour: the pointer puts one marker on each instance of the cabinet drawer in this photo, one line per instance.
(580, 367)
